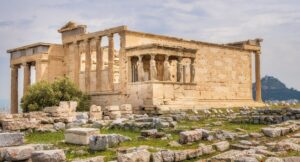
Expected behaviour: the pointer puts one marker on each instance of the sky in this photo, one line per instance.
(218, 21)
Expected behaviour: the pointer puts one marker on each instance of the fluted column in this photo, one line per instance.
(123, 62)
(76, 63)
(14, 89)
(26, 82)
(257, 77)
(111, 61)
(87, 65)
(99, 64)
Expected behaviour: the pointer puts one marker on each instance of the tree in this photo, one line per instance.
(44, 94)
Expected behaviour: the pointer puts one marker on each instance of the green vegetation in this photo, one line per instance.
(226, 125)
(43, 94)
(75, 151)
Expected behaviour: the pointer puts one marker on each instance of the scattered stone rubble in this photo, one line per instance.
(139, 122)
(268, 116)
(224, 145)
(115, 111)
(14, 150)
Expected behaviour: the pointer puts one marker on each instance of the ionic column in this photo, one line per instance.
(167, 75)
(14, 89)
(123, 62)
(76, 63)
(26, 82)
(111, 61)
(257, 77)
(179, 70)
(99, 64)
(192, 70)
(153, 70)
(140, 69)
(87, 65)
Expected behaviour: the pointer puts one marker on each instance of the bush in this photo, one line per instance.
(43, 94)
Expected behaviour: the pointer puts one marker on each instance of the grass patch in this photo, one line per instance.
(72, 151)
(45, 138)
(226, 125)
(76, 151)
(134, 135)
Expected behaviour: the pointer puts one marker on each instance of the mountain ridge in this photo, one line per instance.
(273, 89)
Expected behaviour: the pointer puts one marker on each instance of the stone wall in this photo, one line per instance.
(223, 74)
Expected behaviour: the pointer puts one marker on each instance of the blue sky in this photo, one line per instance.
(276, 21)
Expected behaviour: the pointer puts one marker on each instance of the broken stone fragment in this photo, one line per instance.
(11, 139)
(139, 155)
(93, 159)
(17, 153)
(190, 136)
(102, 142)
(221, 146)
(275, 132)
(48, 156)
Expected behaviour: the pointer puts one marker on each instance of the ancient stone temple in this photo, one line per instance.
(151, 72)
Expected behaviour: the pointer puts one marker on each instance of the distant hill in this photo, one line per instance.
(274, 89)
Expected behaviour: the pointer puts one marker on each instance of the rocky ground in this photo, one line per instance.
(206, 135)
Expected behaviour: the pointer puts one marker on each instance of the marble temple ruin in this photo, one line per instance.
(152, 72)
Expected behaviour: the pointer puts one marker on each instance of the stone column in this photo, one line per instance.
(99, 64)
(87, 65)
(192, 70)
(14, 89)
(123, 62)
(167, 74)
(179, 70)
(257, 77)
(26, 77)
(76, 63)
(111, 61)
(153, 70)
(140, 69)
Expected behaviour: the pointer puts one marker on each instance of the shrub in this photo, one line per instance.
(43, 94)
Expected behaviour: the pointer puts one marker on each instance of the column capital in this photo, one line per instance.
(26, 63)
(13, 66)
(76, 43)
(140, 57)
(180, 59)
(98, 38)
(258, 52)
(88, 40)
(152, 56)
(167, 57)
(192, 60)
(111, 35)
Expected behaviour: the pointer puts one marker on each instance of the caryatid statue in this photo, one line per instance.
(179, 70)
(192, 69)
(153, 70)
(167, 73)
(140, 69)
